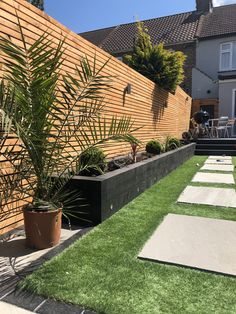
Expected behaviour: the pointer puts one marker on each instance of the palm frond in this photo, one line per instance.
(54, 116)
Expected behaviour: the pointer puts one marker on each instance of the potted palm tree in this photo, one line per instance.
(54, 117)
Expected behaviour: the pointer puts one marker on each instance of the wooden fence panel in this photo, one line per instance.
(156, 112)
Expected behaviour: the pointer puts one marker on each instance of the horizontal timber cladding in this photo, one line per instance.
(156, 113)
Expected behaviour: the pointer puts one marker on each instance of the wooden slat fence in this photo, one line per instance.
(157, 112)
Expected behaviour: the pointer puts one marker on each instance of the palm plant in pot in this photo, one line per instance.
(54, 117)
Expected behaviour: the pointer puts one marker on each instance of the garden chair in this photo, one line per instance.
(222, 127)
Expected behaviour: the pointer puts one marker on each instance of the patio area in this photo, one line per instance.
(17, 261)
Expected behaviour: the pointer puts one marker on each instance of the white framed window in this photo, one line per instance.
(234, 104)
(228, 56)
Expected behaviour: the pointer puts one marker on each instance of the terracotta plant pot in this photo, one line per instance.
(42, 229)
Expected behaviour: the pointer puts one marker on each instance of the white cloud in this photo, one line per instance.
(218, 3)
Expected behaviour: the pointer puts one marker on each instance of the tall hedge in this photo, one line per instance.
(160, 65)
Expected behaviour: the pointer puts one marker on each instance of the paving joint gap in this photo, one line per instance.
(5, 295)
(40, 305)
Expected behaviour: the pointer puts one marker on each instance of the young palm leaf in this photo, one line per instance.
(55, 118)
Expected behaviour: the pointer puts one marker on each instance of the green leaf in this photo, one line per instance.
(55, 118)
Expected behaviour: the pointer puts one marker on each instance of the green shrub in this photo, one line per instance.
(92, 162)
(186, 138)
(171, 143)
(153, 147)
(162, 66)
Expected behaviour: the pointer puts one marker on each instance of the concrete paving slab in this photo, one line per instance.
(209, 177)
(218, 162)
(221, 157)
(52, 306)
(208, 196)
(16, 258)
(227, 168)
(24, 299)
(24, 256)
(195, 242)
(7, 308)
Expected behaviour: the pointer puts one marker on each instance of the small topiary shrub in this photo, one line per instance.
(153, 147)
(171, 143)
(92, 162)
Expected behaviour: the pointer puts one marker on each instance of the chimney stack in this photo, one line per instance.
(204, 6)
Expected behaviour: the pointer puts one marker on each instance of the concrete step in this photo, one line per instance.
(221, 141)
(216, 146)
(213, 152)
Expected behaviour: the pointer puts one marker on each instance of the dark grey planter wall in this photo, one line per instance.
(108, 193)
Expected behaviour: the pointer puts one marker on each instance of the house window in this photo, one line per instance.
(234, 103)
(228, 56)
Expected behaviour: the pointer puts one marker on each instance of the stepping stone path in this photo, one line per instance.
(218, 162)
(227, 168)
(196, 242)
(205, 177)
(221, 157)
(208, 196)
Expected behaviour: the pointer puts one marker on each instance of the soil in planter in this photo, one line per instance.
(119, 163)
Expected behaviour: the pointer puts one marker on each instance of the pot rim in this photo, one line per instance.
(42, 211)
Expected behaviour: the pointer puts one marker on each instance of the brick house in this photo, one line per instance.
(200, 35)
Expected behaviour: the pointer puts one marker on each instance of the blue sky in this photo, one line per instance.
(85, 15)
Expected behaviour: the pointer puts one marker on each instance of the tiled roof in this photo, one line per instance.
(97, 37)
(222, 21)
(170, 29)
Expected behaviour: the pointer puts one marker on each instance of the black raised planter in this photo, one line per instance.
(108, 193)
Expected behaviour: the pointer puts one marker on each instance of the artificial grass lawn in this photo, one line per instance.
(101, 271)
